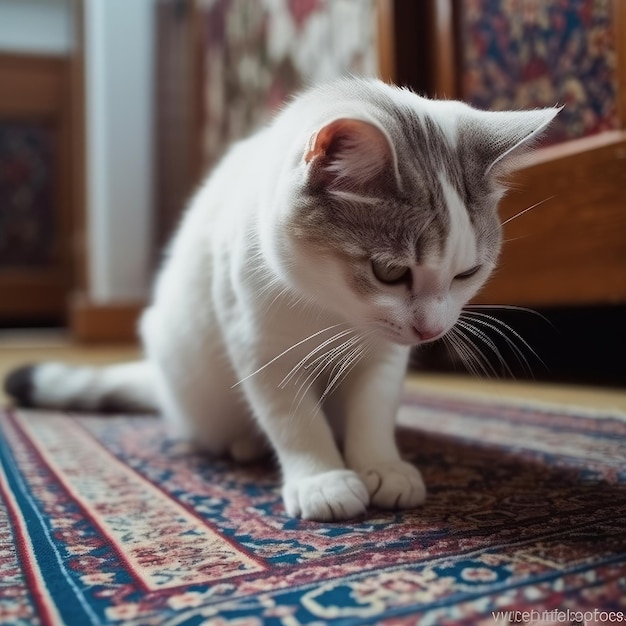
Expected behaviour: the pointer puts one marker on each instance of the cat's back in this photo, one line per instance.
(237, 177)
(223, 205)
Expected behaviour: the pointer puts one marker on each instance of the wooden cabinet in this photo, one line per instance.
(570, 250)
(35, 186)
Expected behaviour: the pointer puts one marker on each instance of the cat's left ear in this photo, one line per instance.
(351, 155)
(500, 138)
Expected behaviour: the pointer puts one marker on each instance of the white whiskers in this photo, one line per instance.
(478, 338)
(530, 208)
(304, 363)
(295, 345)
(335, 360)
(335, 356)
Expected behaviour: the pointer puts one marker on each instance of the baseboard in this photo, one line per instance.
(109, 323)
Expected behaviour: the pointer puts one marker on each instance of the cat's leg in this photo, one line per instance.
(316, 483)
(370, 398)
(194, 392)
(205, 412)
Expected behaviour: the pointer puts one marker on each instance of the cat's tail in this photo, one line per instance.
(126, 387)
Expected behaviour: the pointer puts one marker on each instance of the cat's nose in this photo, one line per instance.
(427, 334)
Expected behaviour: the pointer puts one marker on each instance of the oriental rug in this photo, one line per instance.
(106, 521)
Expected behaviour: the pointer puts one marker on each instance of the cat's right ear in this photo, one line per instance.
(501, 138)
(351, 155)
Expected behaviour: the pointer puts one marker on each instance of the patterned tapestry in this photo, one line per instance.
(258, 52)
(27, 211)
(530, 53)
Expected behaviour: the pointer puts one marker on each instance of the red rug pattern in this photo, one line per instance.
(106, 521)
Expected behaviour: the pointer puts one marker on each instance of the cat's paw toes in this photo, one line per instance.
(394, 485)
(335, 495)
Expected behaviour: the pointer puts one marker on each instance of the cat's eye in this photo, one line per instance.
(390, 274)
(468, 273)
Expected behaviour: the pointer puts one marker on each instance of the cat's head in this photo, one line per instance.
(393, 220)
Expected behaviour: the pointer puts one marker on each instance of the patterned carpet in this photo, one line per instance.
(106, 522)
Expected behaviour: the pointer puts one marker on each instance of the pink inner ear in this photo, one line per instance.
(350, 150)
(321, 141)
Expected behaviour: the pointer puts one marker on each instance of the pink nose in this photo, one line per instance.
(427, 334)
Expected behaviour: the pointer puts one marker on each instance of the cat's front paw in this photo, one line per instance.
(394, 485)
(335, 495)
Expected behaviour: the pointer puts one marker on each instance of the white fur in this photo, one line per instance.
(59, 386)
(215, 322)
(241, 309)
(220, 315)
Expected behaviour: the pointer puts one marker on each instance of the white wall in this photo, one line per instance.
(36, 26)
(119, 56)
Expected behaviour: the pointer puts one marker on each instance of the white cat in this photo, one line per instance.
(356, 225)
